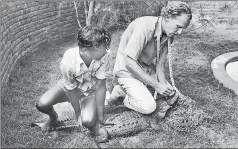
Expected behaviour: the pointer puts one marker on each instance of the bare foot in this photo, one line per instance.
(52, 123)
(102, 136)
(47, 126)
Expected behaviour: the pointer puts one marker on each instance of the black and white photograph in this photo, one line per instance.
(119, 74)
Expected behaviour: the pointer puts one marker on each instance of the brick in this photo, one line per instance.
(31, 25)
(9, 50)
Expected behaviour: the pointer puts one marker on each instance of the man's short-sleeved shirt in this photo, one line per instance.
(77, 75)
(138, 42)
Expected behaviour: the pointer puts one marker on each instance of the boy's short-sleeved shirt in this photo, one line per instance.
(77, 75)
(139, 36)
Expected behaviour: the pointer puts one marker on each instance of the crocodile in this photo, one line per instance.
(178, 112)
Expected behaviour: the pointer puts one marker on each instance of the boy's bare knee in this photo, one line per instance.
(40, 105)
(43, 108)
(88, 121)
(43, 105)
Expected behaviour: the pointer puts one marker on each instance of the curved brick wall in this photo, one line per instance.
(26, 26)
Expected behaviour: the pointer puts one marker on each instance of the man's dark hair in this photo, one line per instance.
(89, 36)
(173, 10)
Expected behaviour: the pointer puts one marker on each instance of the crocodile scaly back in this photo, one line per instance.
(126, 123)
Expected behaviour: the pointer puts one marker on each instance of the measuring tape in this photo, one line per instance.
(170, 68)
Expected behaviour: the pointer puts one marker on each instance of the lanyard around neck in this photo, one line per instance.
(157, 41)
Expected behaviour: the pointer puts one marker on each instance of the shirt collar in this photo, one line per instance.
(82, 63)
(158, 29)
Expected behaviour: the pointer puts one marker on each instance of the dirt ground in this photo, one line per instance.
(192, 55)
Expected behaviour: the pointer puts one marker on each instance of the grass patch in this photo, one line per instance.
(192, 55)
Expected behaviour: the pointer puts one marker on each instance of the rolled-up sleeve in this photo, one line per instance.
(136, 43)
(103, 71)
(68, 75)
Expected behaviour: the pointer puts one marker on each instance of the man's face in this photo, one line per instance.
(175, 26)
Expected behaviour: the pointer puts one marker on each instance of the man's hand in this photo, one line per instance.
(164, 89)
(170, 86)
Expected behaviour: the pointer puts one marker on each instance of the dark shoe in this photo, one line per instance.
(164, 107)
(172, 99)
